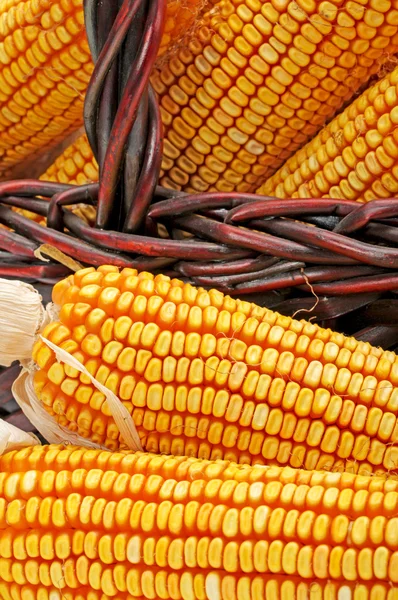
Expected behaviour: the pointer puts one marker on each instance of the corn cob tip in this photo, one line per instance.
(21, 316)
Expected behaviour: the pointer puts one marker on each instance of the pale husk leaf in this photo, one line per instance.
(12, 438)
(21, 317)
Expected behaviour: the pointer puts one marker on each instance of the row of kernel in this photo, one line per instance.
(271, 385)
(291, 559)
(342, 381)
(176, 292)
(248, 556)
(204, 320)
(279, 524)
(220, 587)
(260, 416)
(172, 292)
(69, 506)
(232, 407)
(251, 447)
(298, 456)
(330, 441)
(199, 341)
(206, 551)
(164, 343)
(180, 468)
(15, 591)
(366, 389)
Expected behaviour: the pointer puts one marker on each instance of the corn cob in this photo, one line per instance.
(45, 66)
(355, 157)
(208, 376)
(257, 81)
(144, 526)
(76, 165)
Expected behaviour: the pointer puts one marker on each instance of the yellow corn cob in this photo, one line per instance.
(355, 157)
(45, 66)
(137, 525)
(44, 70)
(256, 82)
(206, 375)
(76, 165)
